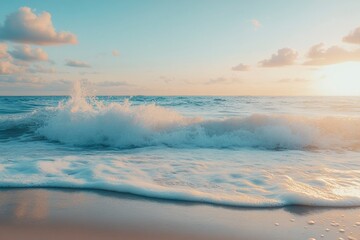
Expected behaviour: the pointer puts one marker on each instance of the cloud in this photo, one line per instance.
(25, 26)
(7, 67)
(293, 80)
(222, 80)
(319, 55)
(76, 63)
(27, 80)
(283, 57)
(32, 85)
(256, 24)
(40, 69)
(26, 53)
(88, 73)
(3, 51)
(6, 62)
(216, 81)
(115, 53)
(112, 83)
(166, 79)
(353, 37)
(241, 67)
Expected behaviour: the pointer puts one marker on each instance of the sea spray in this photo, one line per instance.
(220, 153)
(85, 121)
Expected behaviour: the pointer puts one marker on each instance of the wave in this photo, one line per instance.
(195, 168)
(85, 121)
(124, 126)
(287, 200)
(245, 188)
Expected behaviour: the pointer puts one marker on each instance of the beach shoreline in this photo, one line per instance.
(37, 213)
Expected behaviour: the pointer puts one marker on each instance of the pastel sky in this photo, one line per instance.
(187, 47)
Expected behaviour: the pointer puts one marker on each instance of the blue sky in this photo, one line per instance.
(184, 47)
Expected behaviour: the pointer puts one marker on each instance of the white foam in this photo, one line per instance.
(167, 155)
(235, 178)
(84, 121)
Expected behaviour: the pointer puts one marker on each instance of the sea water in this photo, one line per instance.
(234, 151)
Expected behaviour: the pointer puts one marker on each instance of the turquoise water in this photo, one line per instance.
(238, 151)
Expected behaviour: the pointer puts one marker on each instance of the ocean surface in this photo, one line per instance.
(233, 151)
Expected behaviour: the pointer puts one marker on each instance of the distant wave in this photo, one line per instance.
(84, 121)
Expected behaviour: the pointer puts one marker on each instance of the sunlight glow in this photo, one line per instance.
(340, 79)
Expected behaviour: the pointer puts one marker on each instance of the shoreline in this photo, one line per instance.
(150, 198)
(34, 211)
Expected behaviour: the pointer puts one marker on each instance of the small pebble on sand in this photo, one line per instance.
(311, 222)
(277, 224)
(341, 230)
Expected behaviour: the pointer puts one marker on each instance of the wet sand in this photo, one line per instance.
(81, 214)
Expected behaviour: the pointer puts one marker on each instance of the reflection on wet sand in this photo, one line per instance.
(24, 205)
(31, 205)
(34, 204)
(31, 212)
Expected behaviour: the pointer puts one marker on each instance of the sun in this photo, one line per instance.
(339, 79)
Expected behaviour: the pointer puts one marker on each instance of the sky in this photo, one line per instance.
(171, 47)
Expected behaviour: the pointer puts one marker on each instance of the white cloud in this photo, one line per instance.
(10, 65)
(26, 53)
(320, 55)
(6, 62)
(241, 67)
(76, 63)
(353, 37)
(283, 57)
(25, 26)
(256, 24)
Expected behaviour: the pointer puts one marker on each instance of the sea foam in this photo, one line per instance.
(84, 121)
(247, 178)
(138, 147)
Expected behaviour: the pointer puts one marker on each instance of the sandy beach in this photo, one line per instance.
(82, 214)
(180, 120)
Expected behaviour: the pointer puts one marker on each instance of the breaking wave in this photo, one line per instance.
(85, 121)
(180, 157)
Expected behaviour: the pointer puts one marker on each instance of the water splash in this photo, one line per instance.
(85, 121)
(190, 157)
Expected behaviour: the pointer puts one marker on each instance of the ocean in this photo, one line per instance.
(230, 151)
